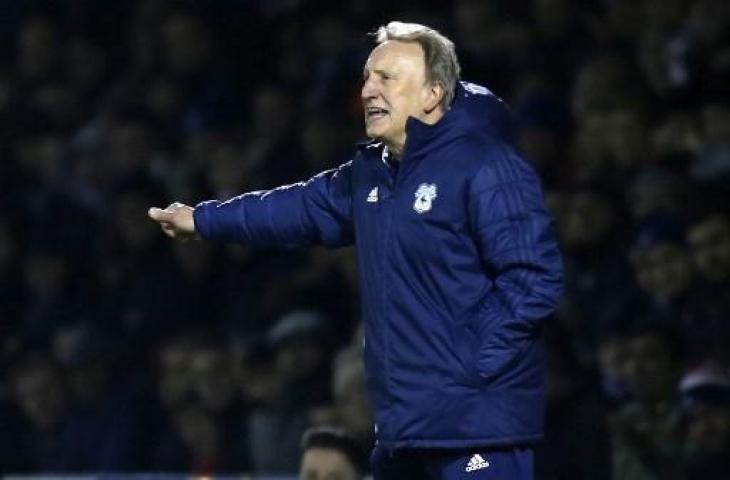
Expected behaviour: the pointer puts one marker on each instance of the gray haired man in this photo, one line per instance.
(458, 262)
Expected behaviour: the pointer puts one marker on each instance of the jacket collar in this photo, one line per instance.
(475, 110)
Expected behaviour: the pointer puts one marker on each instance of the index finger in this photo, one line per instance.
(159, 215)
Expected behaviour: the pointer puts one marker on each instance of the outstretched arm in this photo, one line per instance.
(318, 211)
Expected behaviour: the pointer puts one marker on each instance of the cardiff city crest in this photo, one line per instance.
(425, 195)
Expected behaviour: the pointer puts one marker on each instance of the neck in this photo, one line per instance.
(396, 147)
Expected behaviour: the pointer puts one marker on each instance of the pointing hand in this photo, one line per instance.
(176, 221)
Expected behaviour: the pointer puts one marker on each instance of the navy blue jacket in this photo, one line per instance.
(458, 263)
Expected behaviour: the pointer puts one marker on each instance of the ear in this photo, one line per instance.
(433, 93)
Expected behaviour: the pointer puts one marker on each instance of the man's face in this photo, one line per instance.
(40, 396)
(663, 270)
(650, 367)
(326, 464)
(395, 88)
(710, 242)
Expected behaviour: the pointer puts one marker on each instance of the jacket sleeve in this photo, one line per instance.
(315, 212)
(514, 234)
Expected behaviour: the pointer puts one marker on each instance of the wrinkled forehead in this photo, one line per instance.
(394, 55)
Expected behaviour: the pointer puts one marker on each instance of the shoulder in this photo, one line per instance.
(496, 162)
(491, 154)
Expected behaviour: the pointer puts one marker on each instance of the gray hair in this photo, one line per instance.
(442, 65)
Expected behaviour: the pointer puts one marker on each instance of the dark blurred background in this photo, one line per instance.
(122, 351)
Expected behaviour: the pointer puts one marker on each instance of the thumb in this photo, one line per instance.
(159, 215)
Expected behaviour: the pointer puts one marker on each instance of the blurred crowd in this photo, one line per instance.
(123, 351)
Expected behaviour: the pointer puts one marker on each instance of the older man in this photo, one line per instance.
(458, 262)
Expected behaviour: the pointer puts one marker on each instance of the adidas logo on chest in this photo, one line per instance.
(476, 462)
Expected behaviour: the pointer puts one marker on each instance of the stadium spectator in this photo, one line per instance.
(299, 375)
(329, 453)
(202, 421)
(351, 408)
(589, 224)
(40, 394)
(663, 268)
(577, 443)
(708, 237)
(646, 432)
(104, 425)
(705, 394)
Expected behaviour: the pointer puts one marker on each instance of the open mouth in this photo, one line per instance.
(375, 113)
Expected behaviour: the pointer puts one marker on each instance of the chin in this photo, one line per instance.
(374, 133)
(378, 129)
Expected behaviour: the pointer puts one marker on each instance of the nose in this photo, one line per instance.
(369, 90)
